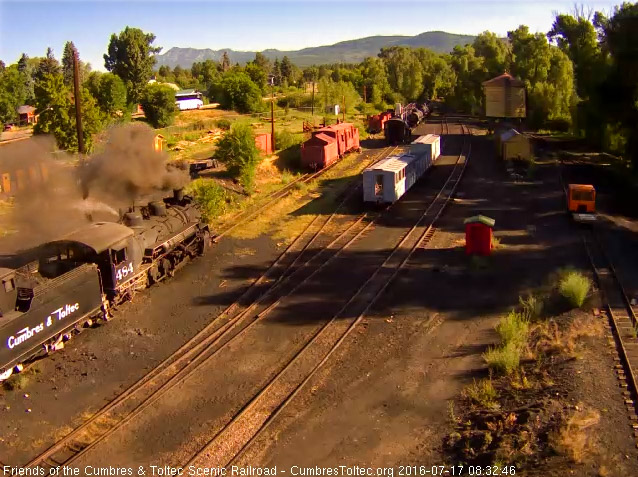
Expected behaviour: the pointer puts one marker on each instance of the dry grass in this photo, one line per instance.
(532, 307)
(482, 393)
(550, 339)
(574, 437)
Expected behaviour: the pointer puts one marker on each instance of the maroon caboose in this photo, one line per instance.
(329, 144)
(319, 151)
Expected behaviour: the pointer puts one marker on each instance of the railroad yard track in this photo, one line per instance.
(231, 442)
(299, 259)
(309, 253)
(621, 315)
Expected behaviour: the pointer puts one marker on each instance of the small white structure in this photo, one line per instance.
(429, 144)
(398, 109)
(333, 109)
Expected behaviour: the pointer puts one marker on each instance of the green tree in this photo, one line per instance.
(286, 69)
(12, 93)
(468, 69)
(48, 65)
(131, 57)
(237, 91)
(619, 91)
(158, 103)
(439, 78)
(495, 53)
(375, 78)
(23, 63)
(109, 91)
(2, 66)
(257, 74)
(261, 61)
(276, 71)
(57, 113)
(237, 150)
(405, 73)
(67, 62)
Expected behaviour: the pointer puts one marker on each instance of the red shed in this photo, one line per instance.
(264, 143)
(319, 151)
(478, 235)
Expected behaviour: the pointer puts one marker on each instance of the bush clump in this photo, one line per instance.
(574, 287)
(212, 198)
(503, 359)
(237, 150)
(482, 393)
(158, 103)
(513, 329)
(285, 139)
(223, 124)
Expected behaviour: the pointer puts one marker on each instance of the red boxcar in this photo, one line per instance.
(319, 151)
(329, 144)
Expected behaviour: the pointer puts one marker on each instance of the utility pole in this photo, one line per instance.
(313, 98)
(364, 94)
(78, 112)
(343, 114)
(272, 112)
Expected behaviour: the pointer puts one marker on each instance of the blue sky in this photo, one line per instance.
(32, 26)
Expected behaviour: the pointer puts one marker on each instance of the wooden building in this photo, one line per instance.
(27, 115)
(513, 145)
(504, 97)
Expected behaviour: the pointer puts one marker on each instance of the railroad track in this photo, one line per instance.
(621, 315)
(622, 318)
(231, 442)
(262, 296)
(271, 199)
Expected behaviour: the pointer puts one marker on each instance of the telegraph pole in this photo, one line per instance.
(344, 109)
(78, 112)
(272, 112)
(313, 98)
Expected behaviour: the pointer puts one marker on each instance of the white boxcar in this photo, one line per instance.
(390, 178)
(387, 180)
(429, 144)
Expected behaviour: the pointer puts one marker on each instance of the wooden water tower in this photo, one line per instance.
(504, 97)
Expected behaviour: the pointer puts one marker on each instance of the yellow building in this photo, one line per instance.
(504, 97)
(513, 145)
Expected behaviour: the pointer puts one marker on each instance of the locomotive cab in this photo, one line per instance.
(8, 291)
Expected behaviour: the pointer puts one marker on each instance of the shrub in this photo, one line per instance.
(482, 393)
(158, 103)
(513, 329)
(574, 287)
(237, 150)
(212, 198)
(237, 91)
(223, 124)
(286, 177)
(532, 307)
(285, 139)
(503, 359)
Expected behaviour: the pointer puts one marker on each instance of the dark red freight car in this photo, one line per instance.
(329, 144)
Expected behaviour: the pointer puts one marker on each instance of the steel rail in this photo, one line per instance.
(451, 183)
(191, 350)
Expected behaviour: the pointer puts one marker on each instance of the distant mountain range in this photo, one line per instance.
(351, 51)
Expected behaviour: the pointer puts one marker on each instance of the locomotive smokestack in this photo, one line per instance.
(178, 194)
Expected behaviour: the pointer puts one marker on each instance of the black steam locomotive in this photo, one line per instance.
(81, 276)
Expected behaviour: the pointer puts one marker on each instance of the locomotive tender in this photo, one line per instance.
(79, 277)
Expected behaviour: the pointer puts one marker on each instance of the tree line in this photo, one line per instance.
(581, 76)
